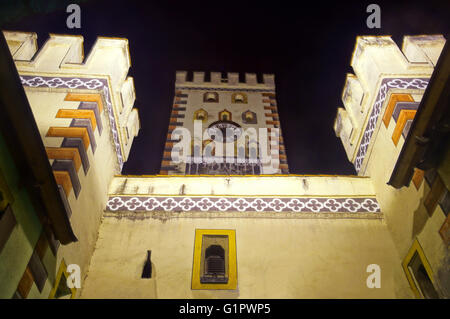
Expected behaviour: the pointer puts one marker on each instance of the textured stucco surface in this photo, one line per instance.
(276, 258)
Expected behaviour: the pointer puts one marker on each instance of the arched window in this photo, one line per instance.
(224, 115)
(211, 97)
(249, 117)
(215, 261)
(239, 98)
(209, 149)
(201, 115)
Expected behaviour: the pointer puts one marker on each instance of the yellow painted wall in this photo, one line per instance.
(88, 207)
(276, 258)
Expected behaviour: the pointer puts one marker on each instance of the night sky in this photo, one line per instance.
(306, 44)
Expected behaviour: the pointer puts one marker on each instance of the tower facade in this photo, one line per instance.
(308, 237)
(387, 106)
(224, 127)
(85, 117)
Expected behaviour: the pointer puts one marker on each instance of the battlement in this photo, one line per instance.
(65, 54)
(376, 58)
(231, 79)
(107, 64)
(377, 55)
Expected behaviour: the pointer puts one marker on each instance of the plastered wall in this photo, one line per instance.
(276, 258)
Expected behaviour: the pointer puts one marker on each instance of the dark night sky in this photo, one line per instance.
(307, 45)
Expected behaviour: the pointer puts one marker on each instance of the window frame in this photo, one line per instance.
(244, 96)
(253, 120)
(197, 112)
(205, 97)
(225, 111)
(416, 248)
(61, 270)
(232, 263)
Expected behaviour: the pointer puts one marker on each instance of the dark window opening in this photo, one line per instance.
(421, 277)
(189, 76)
(259, 78)
(147, 271)
(63, 291)
(214, 265)
(211, 97)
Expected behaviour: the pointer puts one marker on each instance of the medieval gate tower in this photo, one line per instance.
(223, 103)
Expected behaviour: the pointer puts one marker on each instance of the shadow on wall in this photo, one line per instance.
(216, 294)
(420, 218)
(442, 276)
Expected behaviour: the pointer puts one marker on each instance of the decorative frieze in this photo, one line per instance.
(244, 204)
(96, 84)
(386, 85)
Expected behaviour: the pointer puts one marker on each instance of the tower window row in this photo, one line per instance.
(213, 97)
(248, 117)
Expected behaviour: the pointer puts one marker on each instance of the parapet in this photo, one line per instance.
(375, 58)
(65, 54)
(22, 45)
(423, 48)
(231, 79)
(377, 55)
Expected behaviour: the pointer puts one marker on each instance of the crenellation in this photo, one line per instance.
(65, 54)
(107, 52)
(181, 77)
(131, 128)
(199, 77)
(233, 78)
(250, 78)
(75, 54)
(375, 60)
(229, 79)
(60, 63)
(22, 45)
(57, 51)
(133, 123)
(216, 77)
(269, 79)
(343, 128)
(352, 96)
(128, 95)
(375, 56)
(423, 48)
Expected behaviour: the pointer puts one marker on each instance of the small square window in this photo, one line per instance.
(200, 115)
(249, 117)
(239, 98)
(214, 264)
(419, 273)
(211, 97)
(214, 259)
(60, 289)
